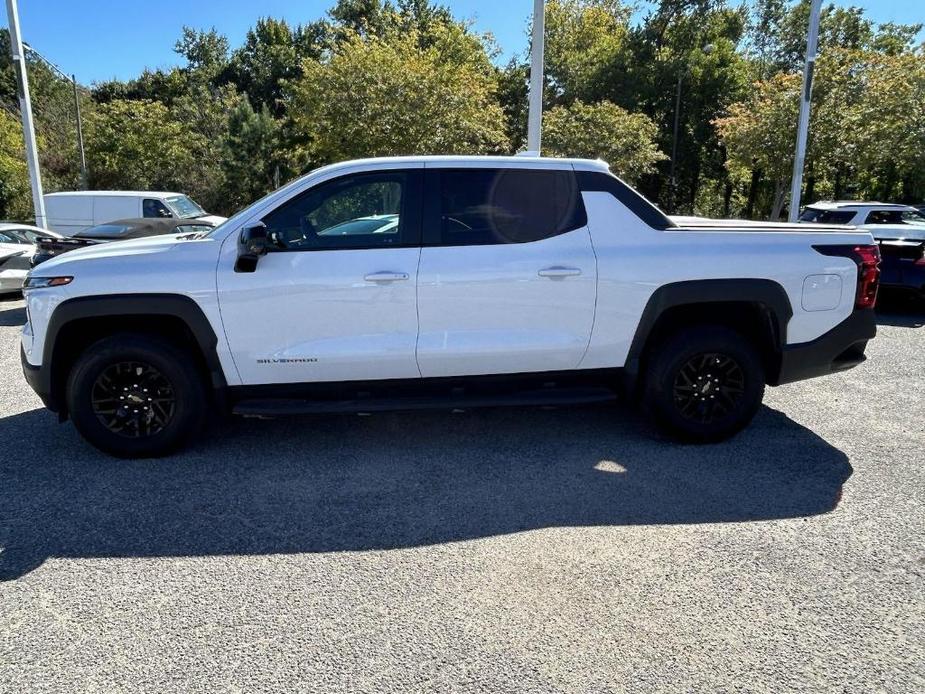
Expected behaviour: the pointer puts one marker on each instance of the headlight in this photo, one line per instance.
(43, 282)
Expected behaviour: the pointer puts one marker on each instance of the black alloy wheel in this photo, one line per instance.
(133, 399)
(137, 395)
(703, 383)
(708, 387)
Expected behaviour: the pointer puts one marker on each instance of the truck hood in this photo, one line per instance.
(113, 249)
(213, 219)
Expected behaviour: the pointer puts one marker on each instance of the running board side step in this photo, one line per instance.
(266, 407)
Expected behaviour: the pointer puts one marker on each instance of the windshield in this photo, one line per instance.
(184, 207)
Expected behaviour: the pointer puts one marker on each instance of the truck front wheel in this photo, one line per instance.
(136, 396)
(704, 384)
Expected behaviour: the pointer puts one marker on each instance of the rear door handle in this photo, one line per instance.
(386, 276)
(559, 271)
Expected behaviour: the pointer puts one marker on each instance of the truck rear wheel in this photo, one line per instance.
(704, 384)
(136, 396)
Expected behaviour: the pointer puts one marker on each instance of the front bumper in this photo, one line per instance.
(840, 348)
(39, 379)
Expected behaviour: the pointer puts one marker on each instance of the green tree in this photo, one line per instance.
(605, 131)
(137, 145)
(272, 54)
(15, 195)
(373, 98)
(759, 132)
(586, 43)
(249, 160)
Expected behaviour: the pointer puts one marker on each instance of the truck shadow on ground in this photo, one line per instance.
(900, 310)
(336, 483)
(11, 316)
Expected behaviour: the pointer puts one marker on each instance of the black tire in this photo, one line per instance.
(152, 417)
(726, 380)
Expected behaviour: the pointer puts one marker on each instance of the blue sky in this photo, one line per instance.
(101, 39)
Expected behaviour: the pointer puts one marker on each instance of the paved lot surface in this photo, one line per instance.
(555, 550)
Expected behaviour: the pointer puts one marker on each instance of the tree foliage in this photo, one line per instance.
(373, 97)
(15, 199)
(137, 145)
(373, 77)
(605, 131)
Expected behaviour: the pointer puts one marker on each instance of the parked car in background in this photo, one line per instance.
(898, 229)
(75, 211)
(17, 248)
(872, 216)
(119, 230)
(450, 282)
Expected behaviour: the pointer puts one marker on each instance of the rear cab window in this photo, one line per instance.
(483, 206)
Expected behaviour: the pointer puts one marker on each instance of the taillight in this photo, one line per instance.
(867, 258)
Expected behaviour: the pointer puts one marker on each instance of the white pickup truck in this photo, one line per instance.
(451, 282)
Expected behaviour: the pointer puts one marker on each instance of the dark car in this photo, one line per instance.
(902, 265)
(119, 230)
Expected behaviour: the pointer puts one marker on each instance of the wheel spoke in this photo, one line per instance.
(708, 387)
(133, 399)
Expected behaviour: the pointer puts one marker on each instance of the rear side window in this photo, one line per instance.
(499, 206)
(811, 214)
(895, 217)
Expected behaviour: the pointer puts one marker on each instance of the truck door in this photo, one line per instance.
(508, 277)
(335, 299)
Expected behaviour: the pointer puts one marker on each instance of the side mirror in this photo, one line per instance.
(252, 244)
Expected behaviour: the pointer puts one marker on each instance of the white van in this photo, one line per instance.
(73, 211)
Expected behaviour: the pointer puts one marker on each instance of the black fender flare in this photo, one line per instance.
(115, 305)
(738, 290)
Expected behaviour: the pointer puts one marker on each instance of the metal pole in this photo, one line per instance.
(674, 142)
(535, 113)
(799, 158)
(25, 109)
(80, 137)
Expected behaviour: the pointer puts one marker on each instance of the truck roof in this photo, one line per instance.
(841, 204)
(526, 159)
(112, 193)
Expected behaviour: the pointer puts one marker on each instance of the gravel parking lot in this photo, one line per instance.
(528, 550)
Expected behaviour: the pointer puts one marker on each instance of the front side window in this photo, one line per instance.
(32, 236)
(154, 208)
(361, 211)
(497, 206)
(9, 237)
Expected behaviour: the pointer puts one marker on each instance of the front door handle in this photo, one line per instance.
(559, 271)
(386, 276)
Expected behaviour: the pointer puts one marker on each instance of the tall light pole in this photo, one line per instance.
(25, 109)
(80, 133)
(535, 113)
(673, 180)
(812, 39)
(80, 137)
